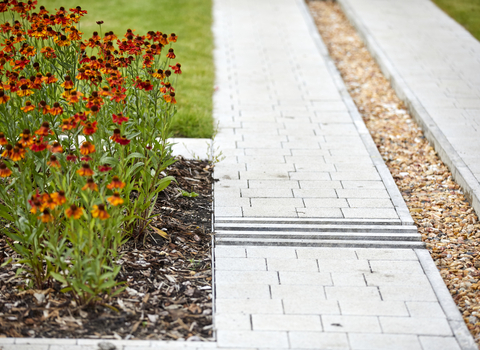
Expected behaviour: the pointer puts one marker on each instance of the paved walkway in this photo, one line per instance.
(434, 65)
(315, 248)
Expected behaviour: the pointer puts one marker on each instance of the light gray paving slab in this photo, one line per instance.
(242, 291)
(260, 277)
(386, 266)
(297, 291)
(351, 324)
(250, 339)
(349, 293)
(439, 343)
(360, 341)
(319, 212)
(386, 254)
(373, 308)
(425, 309)
(264, 322)
(233, 322)
(311, 340)
(303, 277)
(249, 306)
(304, 265)
(311, 306)
(271, 252)
(328, 254)
(415, 325)
(240, 264)
(334, 265)
(348, 279)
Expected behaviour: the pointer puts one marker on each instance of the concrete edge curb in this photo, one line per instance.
(392, 189)
(460, 171)
(455, 319)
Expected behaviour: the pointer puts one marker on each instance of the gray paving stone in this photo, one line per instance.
(386, 254)
(373, 308)
(351, 293)
(24, 347)
(392, 279)
(228, 211)
(242, 291)
(270, 211)
(312, 340)
(374, 185)
(439, 343)
(314, 193)
(325, 202)
(277, 264)
(371, 213)
(348, 279)
(232, 322)
(310, 185)
(240, 264)
(309, 306)
(351, 324)
(302, 277)
(328, 254)
(408, 293)
(289, 292)
(309, 176)
(362, 193)
(249, 306)
(274, 202)
(260, 339)
(286, 322)
(425, 309)
(386, 266)
(354, 175)
(42, 341)
(271, 252)
(369, 203)
(415, 325)
(267, 193)
(273, 184)
(263, 175)
(359, 341)
(344, 265)
(320, 212)
(230, 252)
(260, 277)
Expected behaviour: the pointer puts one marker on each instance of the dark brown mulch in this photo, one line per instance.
(169, 293)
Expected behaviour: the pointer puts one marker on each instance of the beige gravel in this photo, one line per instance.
(442, 214)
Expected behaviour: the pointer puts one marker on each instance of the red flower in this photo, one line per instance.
(74, 211)
(56, 109)
(72, 158)
(44, 130)
(3, 140)
(89, 127)
(38, 144)
(4, 171)
(119, 119)
(116, 183)
(53, 162)
(177, 68)
(104, 168)
(26, 138)
(3, 98)
(172, 38)
(171, 54)
(85, 170)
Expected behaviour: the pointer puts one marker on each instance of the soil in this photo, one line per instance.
(168, 277)
(447, 222)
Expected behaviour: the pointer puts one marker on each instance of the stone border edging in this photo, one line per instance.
(392, 189)
(460, 171)
(454, 317)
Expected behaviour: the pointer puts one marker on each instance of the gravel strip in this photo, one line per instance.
(447, 222)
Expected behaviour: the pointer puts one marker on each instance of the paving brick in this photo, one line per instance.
(314, 166)
(354, 175)
(323, 185)
(334, 265)
(348, 279)
(240, 264)
(309, 176)
(228, 211)
(242, 291)
(308, 278)
(415, 325)
(352, 293)
(439, 343)
(311, 306)
(263, 175)
(286, 322)
(370, 213)
(249, 306)
(386, 254)
(297, 291)
(270, 211)
(232, 322)
(260, 277)
(271, 252)
(259, 339)
(41, 341)
(392, 278)
(267, 193)
(351, 324)
(408, 293)
(373, 308)
(276, 264)
(325, 202)
(374, 185)
(319, 212)
(425, 309)
(231, 201)
(359, 341)
(315, 193)
(386, 266)
(369, 203)
(230, 252)
(328, 254)
(24, 347)
(362, 193)
(316, 340)
(273, 184)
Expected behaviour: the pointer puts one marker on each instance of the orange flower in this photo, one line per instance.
(87, 148)
(46, 216)
(119, 119)
(42, 106)
(90, 185)
(44, 129)
(68, 124)
(4, 171)
(85, 170)
(7, 153)
(62, 40)
(24, 91)
(3, 98)
(47, 202)
(49, 78)
(100, 212)
(18, 152)
(28, 107)
(171, 54)
(89, 127)
(3, 139)
(159, 74)
(68, 83)
(59, 197)
(177, 69)
(26, 139)
(172, 38)
(48, 52)
(115, 199)
(116, 135)
(116, 183)
(53, 162)
(56, 109)
(55, 147)
(74, 211)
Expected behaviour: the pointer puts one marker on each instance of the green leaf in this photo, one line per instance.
(135, 155)
(189, 194)
(58, 277)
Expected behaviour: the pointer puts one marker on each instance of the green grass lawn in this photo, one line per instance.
(465, 12)
(191, 20)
